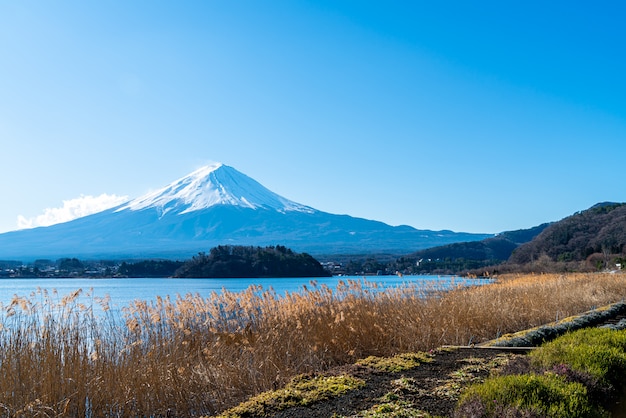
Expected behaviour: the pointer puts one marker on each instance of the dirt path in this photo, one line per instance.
(432, 388)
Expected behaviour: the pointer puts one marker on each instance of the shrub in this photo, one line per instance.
(527, 395)
(597, 351)
(597, 391)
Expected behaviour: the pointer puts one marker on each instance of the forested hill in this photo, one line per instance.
(226, 261)
(600, 230)
(498, 248)
(590, 240)
(454, 258)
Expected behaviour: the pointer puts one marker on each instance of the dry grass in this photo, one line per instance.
(189, 356)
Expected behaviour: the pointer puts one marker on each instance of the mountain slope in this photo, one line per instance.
(463, 256)
(216, 205)
(492, 249)
(599, 229)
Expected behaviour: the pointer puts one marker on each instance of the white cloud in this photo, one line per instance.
(72, 209)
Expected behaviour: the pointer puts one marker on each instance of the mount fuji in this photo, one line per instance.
(215, 205)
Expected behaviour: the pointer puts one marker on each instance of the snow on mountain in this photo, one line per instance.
(213, 185)
(212, 206)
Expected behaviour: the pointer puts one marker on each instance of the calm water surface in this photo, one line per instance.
(124, 291)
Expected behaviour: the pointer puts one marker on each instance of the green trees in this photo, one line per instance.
(70, 265)
(598, 232)
(226, 261)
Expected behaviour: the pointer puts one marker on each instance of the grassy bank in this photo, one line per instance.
(580, 374)
(192, 356)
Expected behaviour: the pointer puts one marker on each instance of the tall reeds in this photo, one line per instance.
(188, 355)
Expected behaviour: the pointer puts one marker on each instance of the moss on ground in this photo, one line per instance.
(301, 391)
(397, 363)
(397, 404)
(394, 409)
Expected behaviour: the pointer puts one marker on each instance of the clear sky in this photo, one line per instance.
(469, 116)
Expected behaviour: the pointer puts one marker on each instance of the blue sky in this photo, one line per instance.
(469, 116)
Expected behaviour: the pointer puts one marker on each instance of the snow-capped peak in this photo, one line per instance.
(215, 184)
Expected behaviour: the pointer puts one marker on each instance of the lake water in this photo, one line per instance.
(124, 291)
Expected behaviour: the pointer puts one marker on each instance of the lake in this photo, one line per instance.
(124, 291)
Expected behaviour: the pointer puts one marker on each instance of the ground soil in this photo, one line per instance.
(431, 387)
